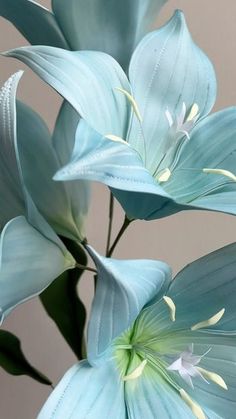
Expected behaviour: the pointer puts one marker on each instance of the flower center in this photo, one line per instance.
(137, 355)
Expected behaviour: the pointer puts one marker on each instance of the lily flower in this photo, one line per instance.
(114, 27)
(65, 205)
(150, 140)
(31, 254)
(144, 329)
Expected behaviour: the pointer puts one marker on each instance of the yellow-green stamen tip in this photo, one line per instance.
(209, 322)
(137, 372)
(171, 305)
(212, 376)
(193, 112)
(132, 102)
(196, 409)
(221, 172)
(116, 139)
(164, 175)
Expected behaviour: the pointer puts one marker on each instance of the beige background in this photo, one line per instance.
(177, 240)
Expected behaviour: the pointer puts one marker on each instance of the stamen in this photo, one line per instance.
(193, 112)
(136, 373)
(132, 102)
(222, 172)
(217, 379)
(116, 139)
(172, 308)
(164, 175)
(210, 322)
(196, 409)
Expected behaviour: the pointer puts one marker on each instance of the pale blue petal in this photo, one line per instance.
(167, 69)
(29, 262)
(211, 146)
(123, 288)
(37, 24)
(117, 26)
(111, 162)
(86, 392)
(199, 291)
(39, 162)
(151, 397)
(13, 199)
(87, 80)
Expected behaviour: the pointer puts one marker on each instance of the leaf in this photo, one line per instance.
(13, 360)
(63, 305)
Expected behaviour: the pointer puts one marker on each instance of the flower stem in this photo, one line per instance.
(125, 225)
(111, 212)
(85, 268)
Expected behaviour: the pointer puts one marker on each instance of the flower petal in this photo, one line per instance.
(111, 162)
(167, 69)
(29, 262)
(211, 146)
(13, 203)
(123, 288)
(87, 80)
(117, 25)
(52, 198)
(37, 24)
(87, 392)
(150, 397)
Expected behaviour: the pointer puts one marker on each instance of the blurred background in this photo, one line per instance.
(177, 240)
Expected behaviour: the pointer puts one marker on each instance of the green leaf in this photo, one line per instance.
(63, 305)
(13, 360)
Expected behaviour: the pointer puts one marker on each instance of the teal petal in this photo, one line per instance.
(211, 146)
(221, 360)
(52, 199)
(37, 24)
(167, 69)
(114, 163)
(13, 203)
(151, 397)
(87, 80)
(123, 288)
(87, 392)
(117, 26)
(63, 140)
(199, 291)
(29, 262)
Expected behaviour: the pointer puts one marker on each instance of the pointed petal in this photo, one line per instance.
(117, 25)
(111, 162)
(29, 262)
(151, 397)
(167, 69)
(123, 288)
(87, 80)
(52, 198)
(205, 287)
(85, 392)
(211, 145)
(37, 24)
(13, 203)
(63, 142)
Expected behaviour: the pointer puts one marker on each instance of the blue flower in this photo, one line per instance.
(65, 205)
(150, 140)
(156, 347)
(31, 254)
(114, 27)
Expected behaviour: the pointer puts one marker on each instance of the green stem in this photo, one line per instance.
(125, 225)
(111, 212)
(85, 268)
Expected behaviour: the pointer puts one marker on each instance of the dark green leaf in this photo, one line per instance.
(63, 305)
(13, 360)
